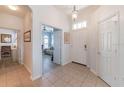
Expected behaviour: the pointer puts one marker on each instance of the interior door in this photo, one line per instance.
(109, 50)
(78, 46)
(57, 47)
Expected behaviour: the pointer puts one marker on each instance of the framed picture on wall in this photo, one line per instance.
(66, 38)
(27, 36)
(6, 38)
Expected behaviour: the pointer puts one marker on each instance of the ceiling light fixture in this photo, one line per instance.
(12, 7)
(74, 13)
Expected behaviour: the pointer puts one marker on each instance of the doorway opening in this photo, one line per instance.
(9, 46)
(51, 48)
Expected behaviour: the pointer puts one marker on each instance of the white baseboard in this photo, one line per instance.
(27, 68)
(93, 71)
(65, 63)
(32, 78)
(36, 77)
(88, 66)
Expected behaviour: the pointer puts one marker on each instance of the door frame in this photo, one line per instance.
(60, 31)
(20, 51)
(61, 47)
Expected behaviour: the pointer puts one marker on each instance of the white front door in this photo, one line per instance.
(57, 47)
(78, 46)
(108, 45)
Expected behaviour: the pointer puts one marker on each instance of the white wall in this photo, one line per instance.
(93, 15)
(99, 14)
(85, 15)
(28, 45)
(14, 23)
(121, 65)
(51, 16)
(11, 22)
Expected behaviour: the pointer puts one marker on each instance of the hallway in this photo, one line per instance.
(71, 75)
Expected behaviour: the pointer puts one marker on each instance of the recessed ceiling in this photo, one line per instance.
(20, 12)
(69, 8)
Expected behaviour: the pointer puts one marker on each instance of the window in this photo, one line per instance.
(46, 41)
(79, 25)
(52, 42)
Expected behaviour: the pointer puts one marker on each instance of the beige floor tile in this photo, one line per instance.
(53, 79)
(101, 83)
(70, 75)
(2, 80)
(60, 83)
(75, 83)
(67, 78)
(45, 83)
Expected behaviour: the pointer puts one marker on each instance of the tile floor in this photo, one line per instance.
(48, 64)
(71, 75)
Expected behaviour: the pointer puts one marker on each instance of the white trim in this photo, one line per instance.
(61, 44)
(27, 68)
(66, 63)
(36, 77)
(93, 71)
(87, 65)
(63, 64)
(22, 63)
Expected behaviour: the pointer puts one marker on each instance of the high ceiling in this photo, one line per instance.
(21, 10)
(69, 8)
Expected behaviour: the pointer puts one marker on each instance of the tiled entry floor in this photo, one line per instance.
(71, 75)
(48, 65)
